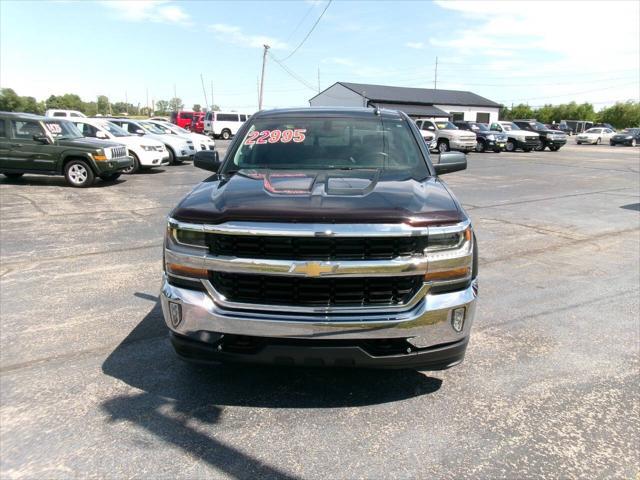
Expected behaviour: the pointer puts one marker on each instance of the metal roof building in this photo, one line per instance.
(415, 102)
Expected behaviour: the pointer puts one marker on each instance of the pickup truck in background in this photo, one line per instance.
(547, 137)
(485, 138)
(516, 137)
(447, 135)
(324, 238)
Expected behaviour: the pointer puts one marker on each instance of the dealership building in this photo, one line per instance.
(415, 102)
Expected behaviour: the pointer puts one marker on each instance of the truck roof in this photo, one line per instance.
(327, 111)
(30, 116)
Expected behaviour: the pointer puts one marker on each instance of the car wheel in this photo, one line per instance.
(443, 146)
(172, 158)
(226, 134)
(510, 146)
(78, 174)
(539, 146)
(13, 175)
(133, 168)
(579, 143)
(480, 146)
(110, 177)
(598, 141)
(633, 142)
(555, 148)
(612, 144)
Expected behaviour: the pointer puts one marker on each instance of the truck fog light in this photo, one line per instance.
(175, 313)
(457, 319)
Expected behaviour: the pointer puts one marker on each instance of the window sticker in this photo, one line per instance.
(54, 128)
(262, 137)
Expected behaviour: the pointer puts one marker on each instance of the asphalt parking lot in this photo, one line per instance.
(90, 387)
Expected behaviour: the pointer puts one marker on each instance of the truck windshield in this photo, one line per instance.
(446, 126)
(62, 129)
(327, 143)
(537, 126)
(478, 127)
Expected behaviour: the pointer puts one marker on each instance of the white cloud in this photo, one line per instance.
(526, 39)
(416, 45)
(235, 35)
(158, 11)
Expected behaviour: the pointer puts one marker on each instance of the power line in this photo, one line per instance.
(308, 33)
(292, 74)
(301, 21)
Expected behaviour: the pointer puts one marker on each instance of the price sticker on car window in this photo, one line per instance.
(263, 137)
(54, 128)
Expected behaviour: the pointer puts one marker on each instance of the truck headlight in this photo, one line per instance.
(449, 255)
(100, 156)
(148, 148)
(184, 241)
(491, 137)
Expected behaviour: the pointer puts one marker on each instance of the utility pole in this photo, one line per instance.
(318, 78)
(175, 95)
(264, 61)
(212, 102)
(435, 78)
(147, 104)
(126, 102)
(206, 101)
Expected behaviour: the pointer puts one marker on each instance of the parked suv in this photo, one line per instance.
(197, 124)
(485, 138)
(547, 137)
(179, 148)
(448, 137)
(201, 142)
(516, 137)
(182, 118)
(52, 112)
(145, 151)
(223, 124)
(52, 146)
(325, 237)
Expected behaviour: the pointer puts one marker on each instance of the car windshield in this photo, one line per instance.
(446, 126)
(537, 126)
(113, 129)
(329, 143)
(151, 128)
(510, 126)
(62, 129)
(594, 130)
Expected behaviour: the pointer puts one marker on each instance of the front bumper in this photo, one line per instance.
(113, 165)
(426, 325)
(154, 159)
(465, 146)
(555, 142)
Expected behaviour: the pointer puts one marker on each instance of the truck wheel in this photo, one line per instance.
(555, 148)
(133, 168)
(510, 146)
(480, 146)
(13, 175)
(110, 177)
(78, 174)
(443, 146)
(226, 134)
(540, 146)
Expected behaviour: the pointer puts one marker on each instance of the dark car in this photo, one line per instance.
(325, 237)
(548, 138)
(54, 146)
(629, 136)
(485, 138)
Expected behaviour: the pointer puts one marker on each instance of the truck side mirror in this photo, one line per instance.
(451, 162)
(41, 139)
(207, 160)
(101, 134)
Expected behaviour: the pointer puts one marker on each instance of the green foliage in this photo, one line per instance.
(551, 113)
(162, 107)
(197, 107)
(102, 106)
(215, 108)
(10, 101)
(175, 104)
(621, 114)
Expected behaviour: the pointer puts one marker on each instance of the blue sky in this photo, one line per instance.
(531, 52)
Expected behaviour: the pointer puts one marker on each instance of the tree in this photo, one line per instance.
(621, 115)
(162, 107)
(196, 107)
(215, 108)
(103, 105)
(175, 104)
(9, 100)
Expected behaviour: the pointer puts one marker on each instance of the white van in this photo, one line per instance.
(64, 113)
(223, 124)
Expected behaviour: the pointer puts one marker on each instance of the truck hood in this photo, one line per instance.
(88, 142)
(521, 133)
(358, 196)
(458, 134)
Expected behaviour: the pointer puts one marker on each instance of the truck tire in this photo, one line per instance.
(510, 146)
(480, 146)
(443, 146)
(12, 175)
(540, 146)
(136, 164)
(226, 134)
(78, 174)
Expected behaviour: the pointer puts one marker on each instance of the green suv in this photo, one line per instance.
(53, 146)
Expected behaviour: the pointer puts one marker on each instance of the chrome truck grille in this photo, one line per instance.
(118, 152)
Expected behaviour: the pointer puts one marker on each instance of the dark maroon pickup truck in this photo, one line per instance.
(326, 238)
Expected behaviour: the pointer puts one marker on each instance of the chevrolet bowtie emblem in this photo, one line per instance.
(313, 269)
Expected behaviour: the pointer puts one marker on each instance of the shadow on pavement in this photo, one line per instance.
(175, 394)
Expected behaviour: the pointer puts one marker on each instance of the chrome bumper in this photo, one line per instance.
(428, 323)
